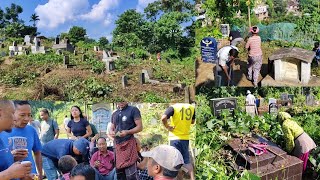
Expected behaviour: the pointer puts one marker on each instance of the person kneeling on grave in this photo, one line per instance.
(103, 160)
(226, 56)
(297, 142)
(164, 162)
(65, 165)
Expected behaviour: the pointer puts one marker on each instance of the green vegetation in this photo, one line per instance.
(214, 162)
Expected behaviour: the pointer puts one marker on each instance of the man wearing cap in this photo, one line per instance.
(226, 56)
(255, 55)
(181, 116)
(251, 104)
(126, 121)
(164, 162)
(55, 149)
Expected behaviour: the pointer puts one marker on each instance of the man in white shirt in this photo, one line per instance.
(251, 108)
(226, 56)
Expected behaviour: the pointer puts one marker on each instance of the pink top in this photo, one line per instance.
(254, 43)
(106, 161)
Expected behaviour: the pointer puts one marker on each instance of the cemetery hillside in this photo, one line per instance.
(150, 57)
(288, 31)
(241, 135)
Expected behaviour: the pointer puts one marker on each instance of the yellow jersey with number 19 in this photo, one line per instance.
(181, 120)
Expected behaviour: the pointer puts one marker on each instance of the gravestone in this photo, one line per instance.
(27, 40)
(110, 66)
(292, 64)
(104, 55)
(11, 53)
(220, 104)
(310, 100)
(225, 30)
(284, 97)
(273, 108)
(59, 52)
(124, 81)
(251, 110)
(209, 50)
(74, 52)
(14, 43)
(66, 60)
(83, 58)
(57, 40)
(38, 43)
(291, 97)
(142, 78)
(95, 48)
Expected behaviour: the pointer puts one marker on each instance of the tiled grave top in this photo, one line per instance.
(296, 53)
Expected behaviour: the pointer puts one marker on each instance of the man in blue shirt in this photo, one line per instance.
(22, 129)
(55, 149)
(8, 169)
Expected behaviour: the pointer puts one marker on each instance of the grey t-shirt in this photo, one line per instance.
(48, 129)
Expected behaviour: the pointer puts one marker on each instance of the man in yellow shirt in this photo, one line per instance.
(181, 117)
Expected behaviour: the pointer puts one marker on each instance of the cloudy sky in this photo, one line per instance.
(56, 16)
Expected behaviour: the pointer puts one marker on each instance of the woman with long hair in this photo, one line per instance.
(78, 126)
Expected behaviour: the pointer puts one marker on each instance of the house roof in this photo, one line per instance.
(297, 53)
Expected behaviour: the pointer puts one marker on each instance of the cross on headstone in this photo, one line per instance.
(124, 81)
(66, 60)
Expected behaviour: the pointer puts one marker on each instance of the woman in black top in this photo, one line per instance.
(78, 126)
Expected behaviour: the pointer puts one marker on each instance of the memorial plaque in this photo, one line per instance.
(291, 97)
(284, 97)
(273, 108)
(209, 50)
(310, 100)
(220, 104)
(101, 116)
(225, 30)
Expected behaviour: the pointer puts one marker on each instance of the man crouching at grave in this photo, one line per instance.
(126, 121)
(226, 56)
(297, 142)
(164, 162)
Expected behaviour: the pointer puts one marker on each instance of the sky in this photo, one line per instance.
(96, 16)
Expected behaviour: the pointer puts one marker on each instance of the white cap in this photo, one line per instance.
(248, 92)
(166, 156)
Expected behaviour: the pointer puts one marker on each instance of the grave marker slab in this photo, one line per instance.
(142, 78)
(273, 109)
(225, 30)
(27, 40)
(310, 100)
(208, 50)
(110, 66)
(11, 53)
(124, 81)
(14, 43)
(284, 97)
(220, 104)
(66, 60)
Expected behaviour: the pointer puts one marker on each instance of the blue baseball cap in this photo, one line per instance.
(82, 145)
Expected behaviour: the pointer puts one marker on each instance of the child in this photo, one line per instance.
(65, 165)
(255, 55)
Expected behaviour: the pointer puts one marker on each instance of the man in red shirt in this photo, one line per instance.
(103, 160)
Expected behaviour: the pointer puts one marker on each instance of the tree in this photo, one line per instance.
(77, 34)
(103, 42)
(12, 13)
(34, 18)
(2, 21)
(14, 29)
